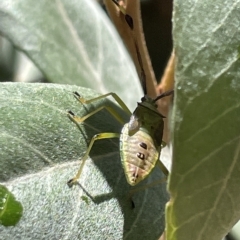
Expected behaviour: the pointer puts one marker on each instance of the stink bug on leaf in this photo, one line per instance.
(140, 138)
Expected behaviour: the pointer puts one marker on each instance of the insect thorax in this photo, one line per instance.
(140, 143)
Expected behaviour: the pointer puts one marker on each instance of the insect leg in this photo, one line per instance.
(163, 144)
(149, 185)
(94, 138)
(112, 111)
(122, 9)
(114, 95)
(163, 168)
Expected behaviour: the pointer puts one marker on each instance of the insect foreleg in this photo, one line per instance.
(94, 138)
(114, 95)
(163, 144)
(112, 111)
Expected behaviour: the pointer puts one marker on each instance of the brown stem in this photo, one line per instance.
(167, 83)
(133, 9)
(167, 80)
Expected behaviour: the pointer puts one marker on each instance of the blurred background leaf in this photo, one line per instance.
(71, 42)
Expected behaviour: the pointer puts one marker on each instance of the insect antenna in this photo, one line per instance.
(163, 95)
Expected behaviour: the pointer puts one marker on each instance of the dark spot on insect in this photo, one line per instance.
(135, 176)
(143, 145)
(141, 156)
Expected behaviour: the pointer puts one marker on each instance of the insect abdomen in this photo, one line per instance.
(138, 154)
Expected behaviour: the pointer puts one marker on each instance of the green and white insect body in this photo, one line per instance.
(140, 141)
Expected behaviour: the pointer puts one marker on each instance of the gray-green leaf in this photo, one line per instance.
(205, 178)
(40, 152)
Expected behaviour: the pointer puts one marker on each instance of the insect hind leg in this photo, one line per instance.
(163, 168)
(149, 185)
(99, 136)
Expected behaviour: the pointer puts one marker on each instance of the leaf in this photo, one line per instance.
(205, 201)
(40, 152)
(10, 209)
(71, 42)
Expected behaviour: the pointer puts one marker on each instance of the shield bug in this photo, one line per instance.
(140, 138)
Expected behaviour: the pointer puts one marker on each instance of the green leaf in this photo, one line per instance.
(40, 152)
(71, 42)
(205, 200)
(10, 209)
